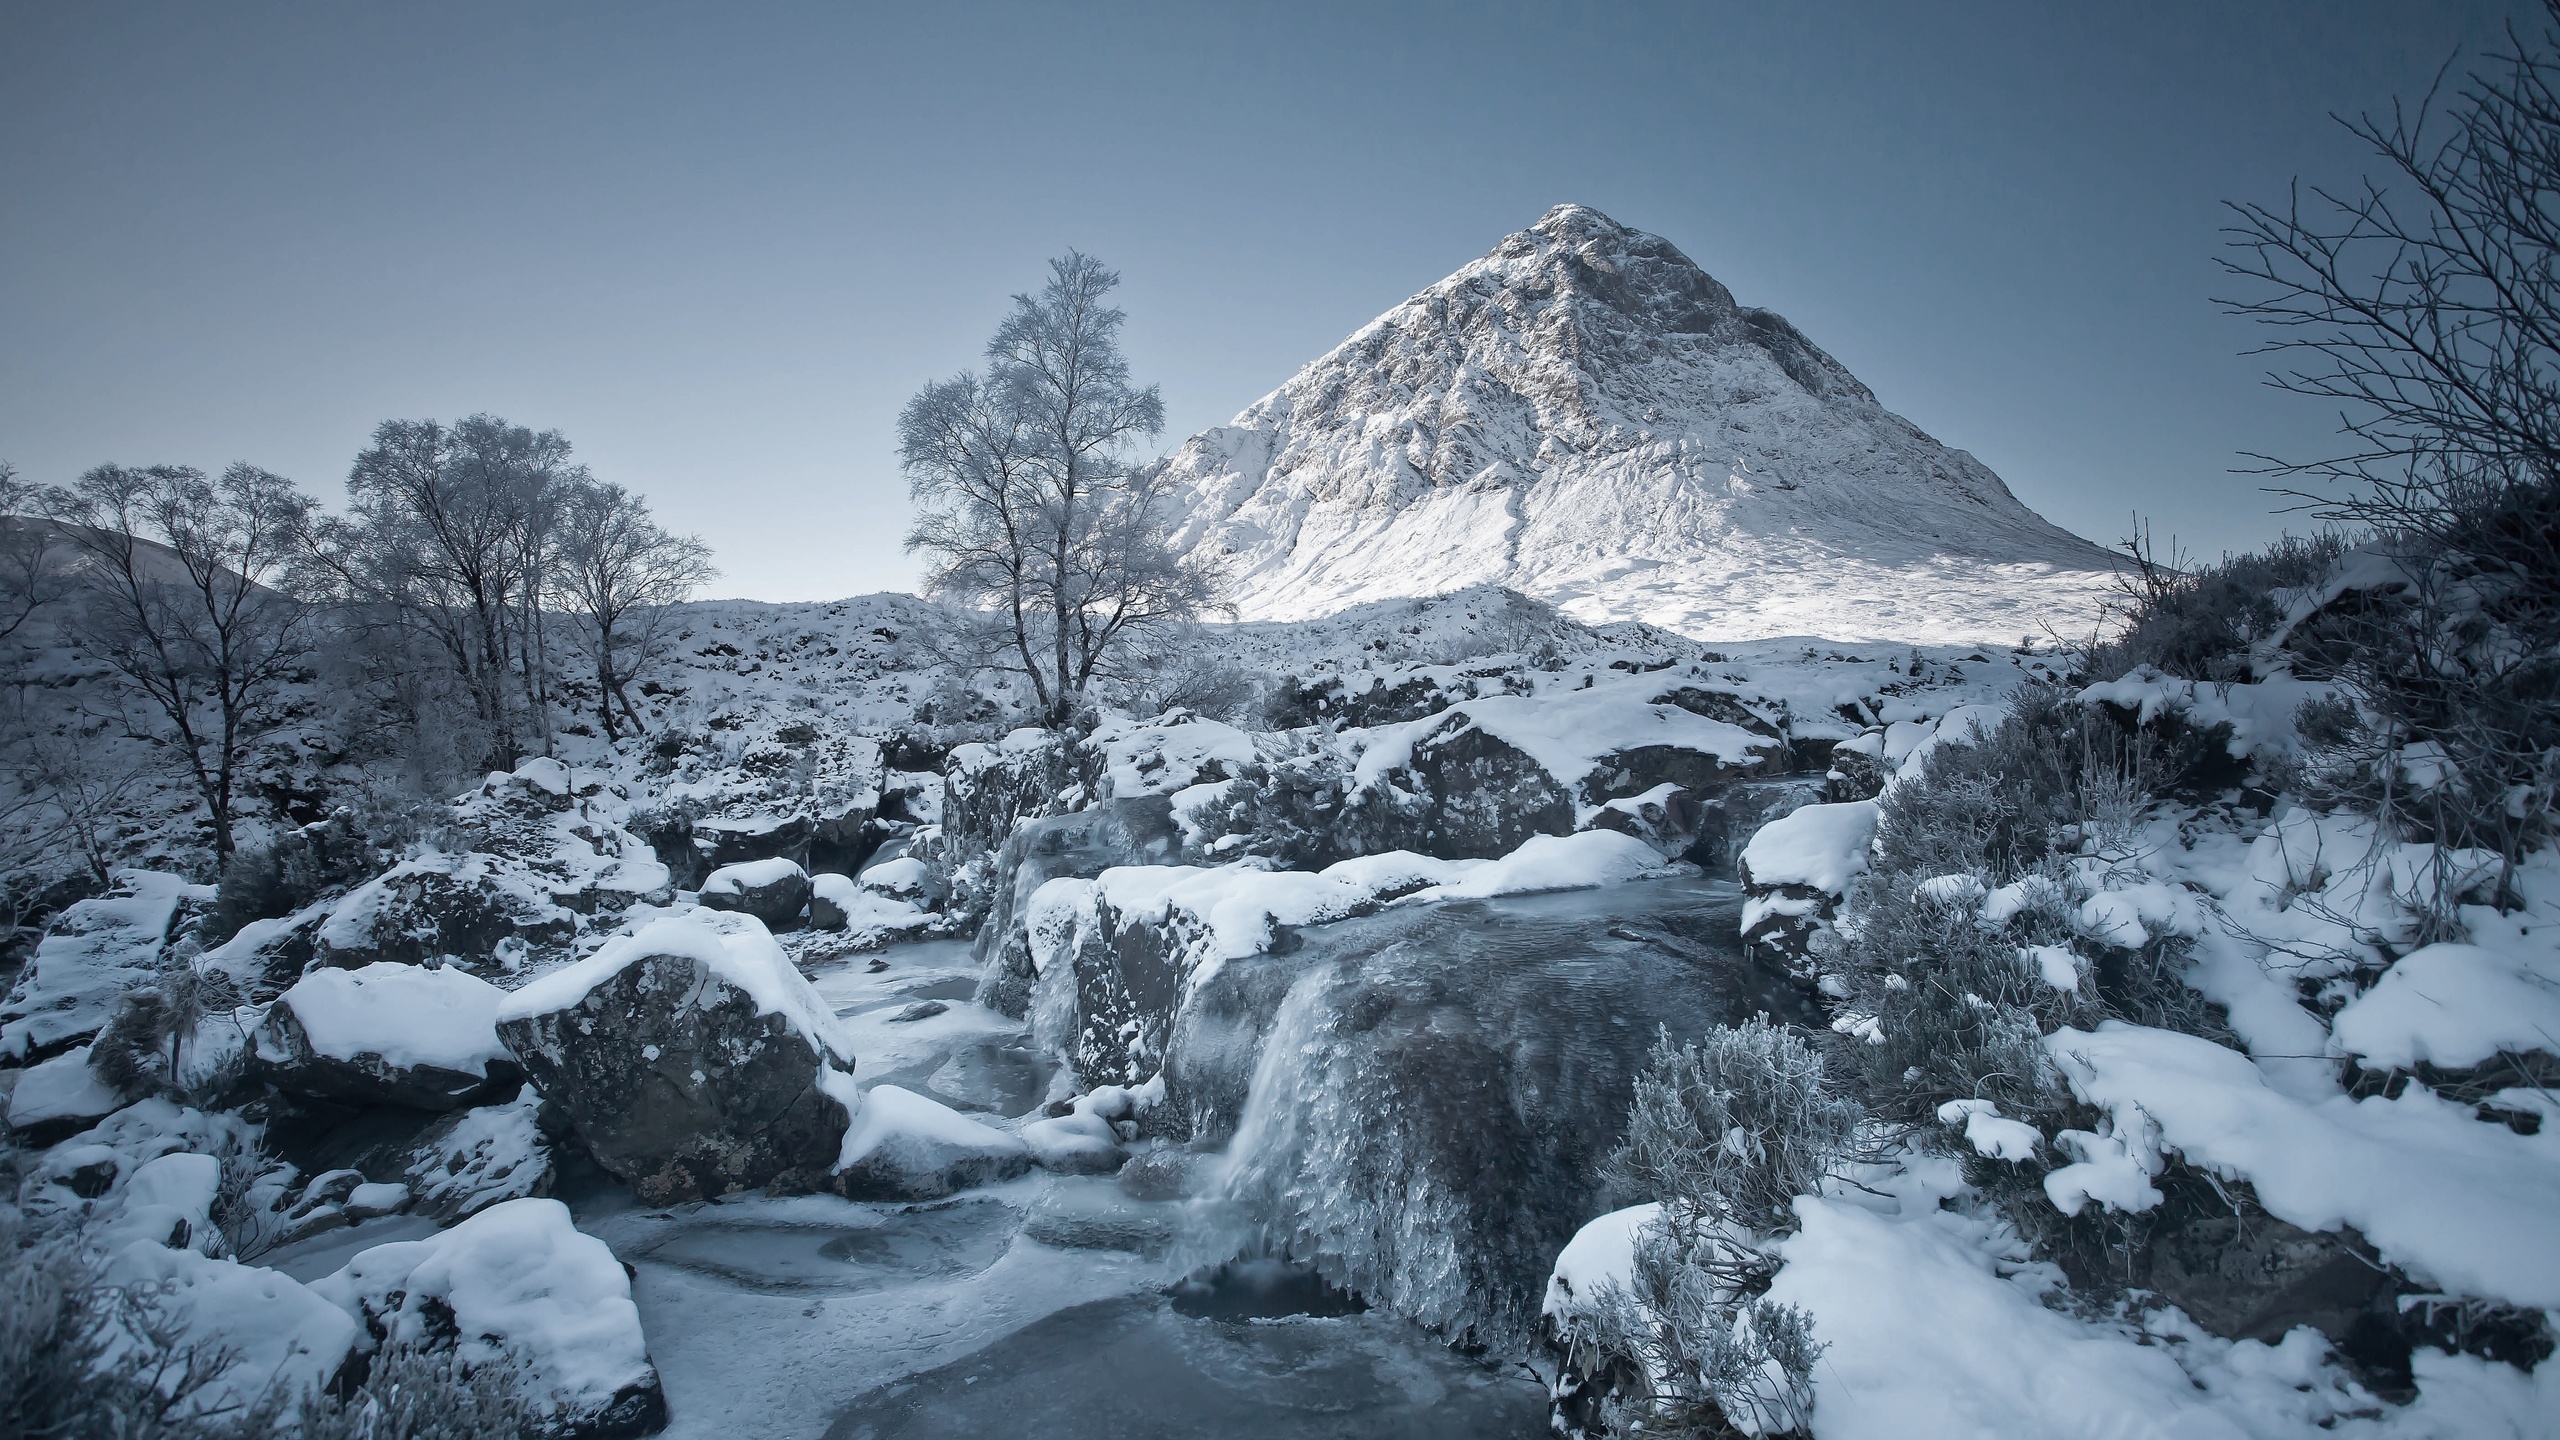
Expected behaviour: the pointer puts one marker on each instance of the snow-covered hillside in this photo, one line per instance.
(1586, 416)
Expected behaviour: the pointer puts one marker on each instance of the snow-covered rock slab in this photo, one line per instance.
(689, 1057)
(517, 1284)
(903, 1146)
(388, 1034)
(466, 1163)
(2454, 1006)
(60, 1097)
(2459, 1203)
(282, 1335)
(95, 951)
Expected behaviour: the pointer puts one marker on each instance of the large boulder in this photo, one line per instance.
(689, 1057)
(1795, 871)
(473, 908)
(388, 1034)
(775, 891)
(95, 951)
(516, 1285)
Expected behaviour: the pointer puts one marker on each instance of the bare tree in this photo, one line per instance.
(621, 573)
(1028, 497)
(449, 533)
(180, 600)
(2427, 307)
(31, 576)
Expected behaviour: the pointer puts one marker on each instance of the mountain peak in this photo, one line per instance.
(1585, 415)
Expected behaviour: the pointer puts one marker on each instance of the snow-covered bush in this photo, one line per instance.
(1723, 1134)
(83, 1355)
(1728, 1131)
(410, 1393)
(2210, 622)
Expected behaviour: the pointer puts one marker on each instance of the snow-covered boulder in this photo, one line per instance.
(95, 951)
(774, 891)
(265, 957)
(866, 916)
(282, 1336)
(516, 1284)
(388, 1034)
(60, 1097)
(1089, 1138)
(689, 1057)
(1794, 871)
(1081, 845)
(465, 1163)
(904, 1146)
(2455, 1006)
(472, 908)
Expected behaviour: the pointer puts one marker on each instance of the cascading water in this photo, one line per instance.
(1436, 1088)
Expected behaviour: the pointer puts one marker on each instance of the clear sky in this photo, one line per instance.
(718, 245)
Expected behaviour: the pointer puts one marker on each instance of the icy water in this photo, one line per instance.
(1086, 1308)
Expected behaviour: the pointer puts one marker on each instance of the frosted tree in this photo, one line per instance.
(181, 600)
(1029, 497)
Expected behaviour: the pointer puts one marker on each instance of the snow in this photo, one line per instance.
(281, 1333)
(1161, 756)
(489, 1155)
(407, 1014)
(1634, 451)
(1938, 1329)
(517, 1278)
(1579, 861)
(2454, 1005)
(735, 948)
(908, 1131)
(904, 875)
(1823, 847)
(1989, 1133)
(2462, 1203)
(1600, 1254)
(62, 1089)
(95, 951)
(168, 1201)
(749, 875)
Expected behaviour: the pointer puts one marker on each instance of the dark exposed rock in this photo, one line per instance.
(676, 1077)
(775, 891)
(1134, 831)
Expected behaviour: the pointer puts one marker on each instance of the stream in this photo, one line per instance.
(1465, 1053)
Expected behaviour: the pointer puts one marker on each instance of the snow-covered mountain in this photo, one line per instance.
(1586, 416)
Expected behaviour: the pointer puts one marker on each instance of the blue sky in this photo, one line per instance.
(718, 246)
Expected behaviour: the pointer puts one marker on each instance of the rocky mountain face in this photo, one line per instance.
(1586, 416)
